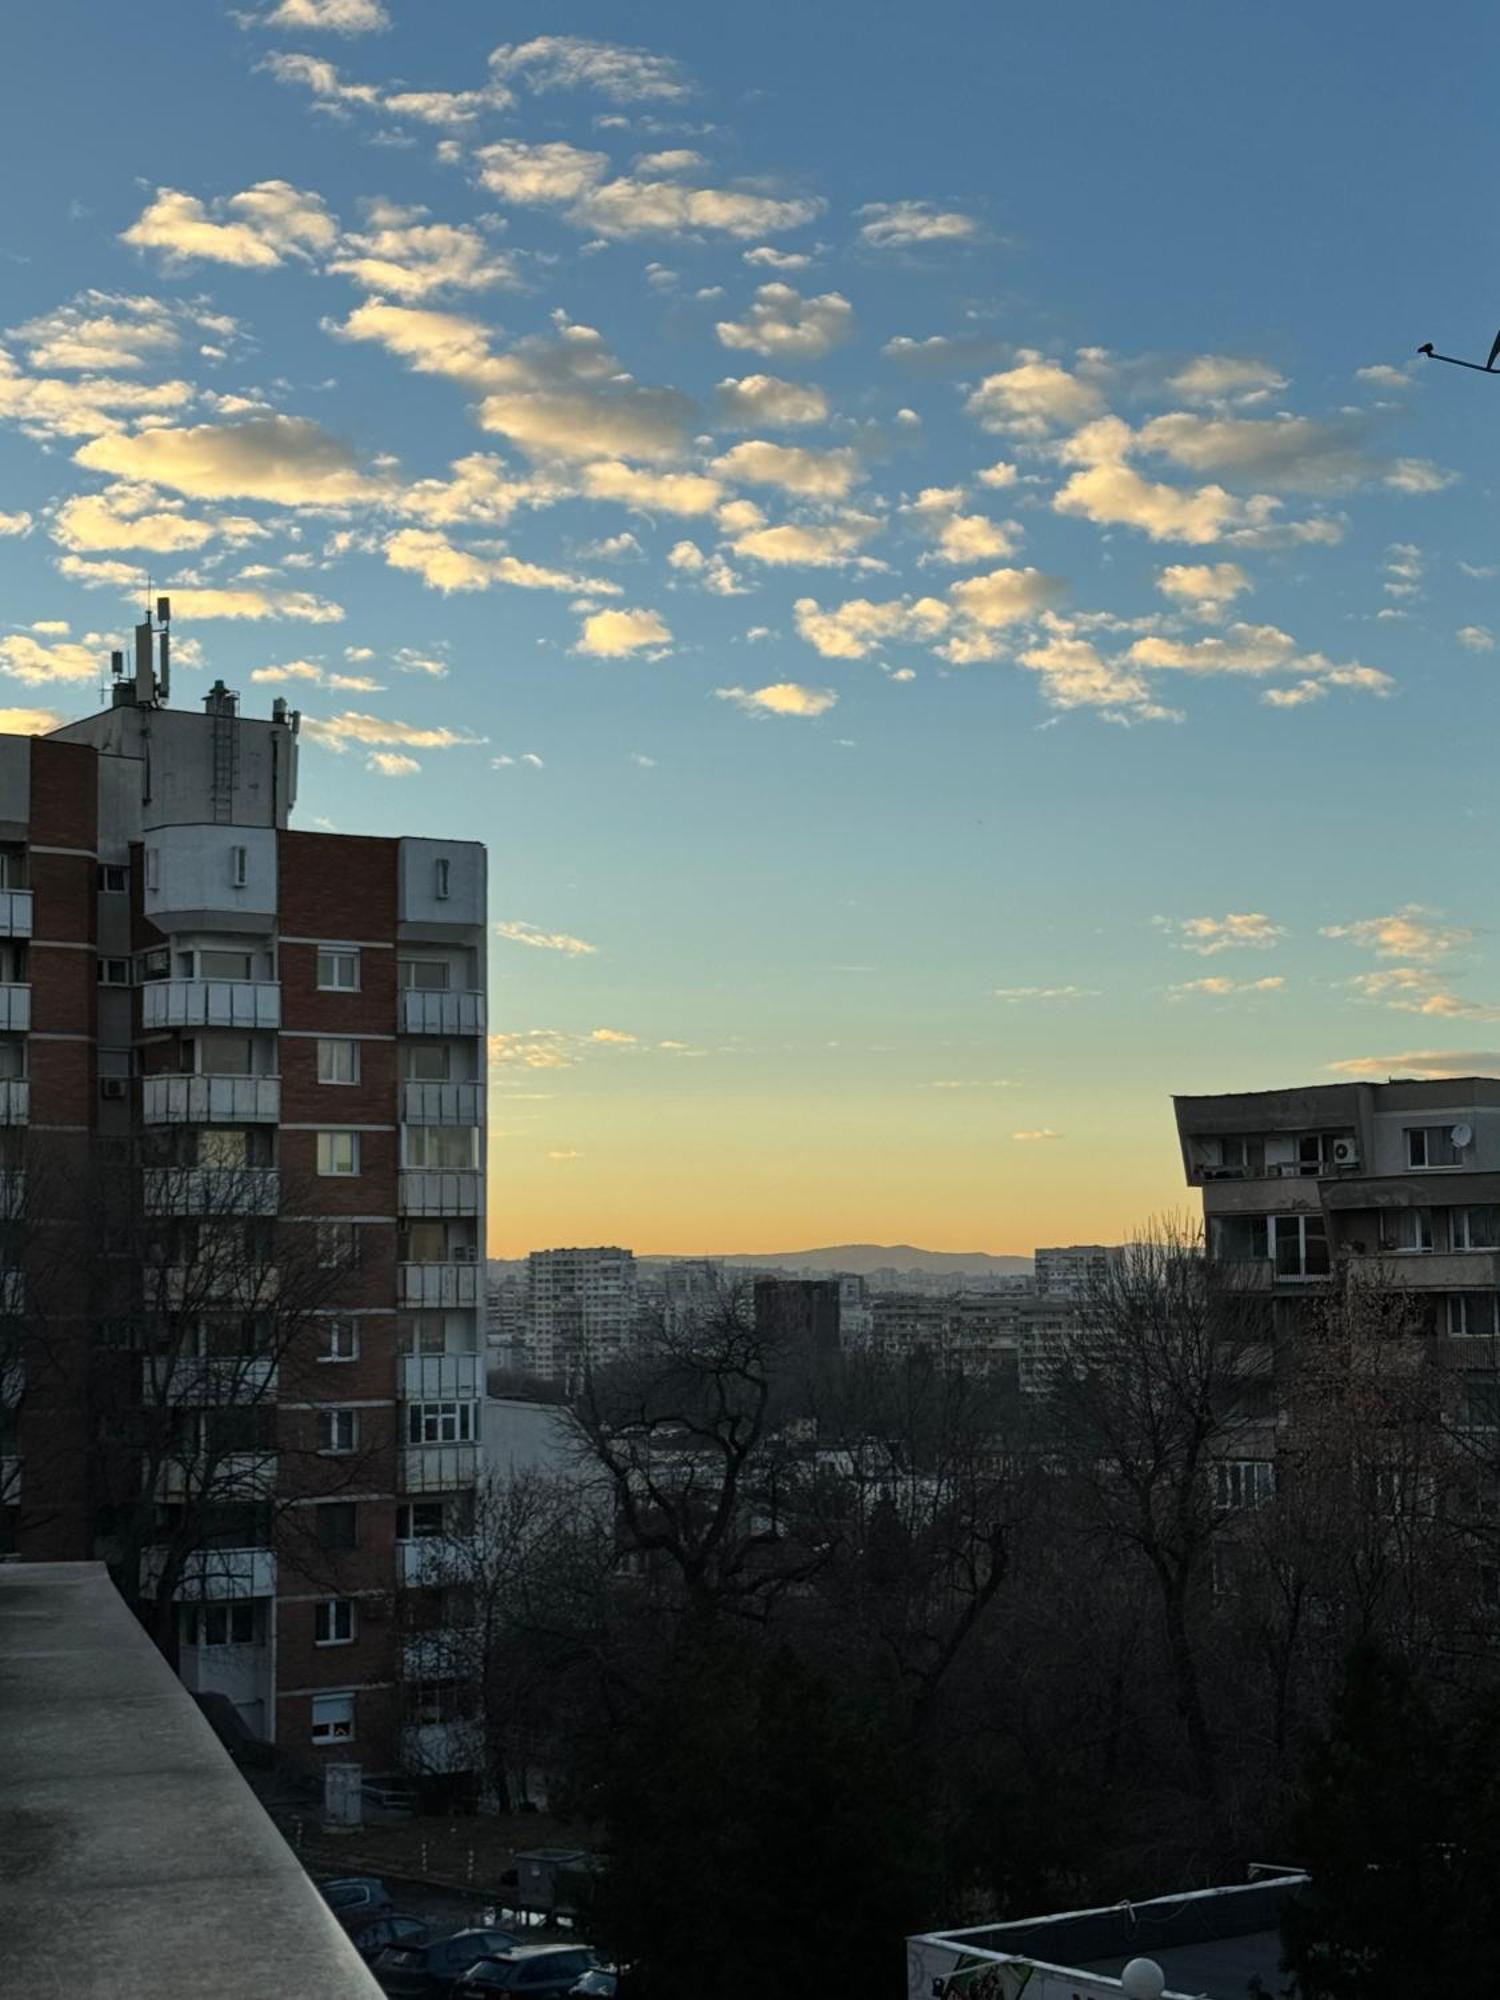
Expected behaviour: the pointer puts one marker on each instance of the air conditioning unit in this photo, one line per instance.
(112, 1086)
(1346, 1152)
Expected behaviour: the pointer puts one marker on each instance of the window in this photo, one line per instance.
(338, 1245)
(1479, 1408)
(340, 1341)
(1300, 1246)
(338, 1153)
(1243, 1482)
(338, 1430)
(338, 971)
(153, 868)
(221, 1054)
(426, 1062)
(419, 1520)
(338, 1525)
(447, 1148)
(333, 1718)
(113, 881)
(1403, 1229)
(154, 965)
(440, 1423)
(219, 1624)
(334, 1622)
(1472, 1315)
(1474, 1228)
(239, 866)
(440, 871)
(429, 975)
(116, 1062)
(226, 965)
(114, 972)
(421, 1334)
(1237, 1237)
(1432, 1146)
(338, 1062)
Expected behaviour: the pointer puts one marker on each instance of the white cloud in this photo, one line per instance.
(1218, 987)
(682, 493)
(518, 932)
(1109, 492)
(1418, 475)
(614, 635)
(1422, 1062)
(442, 566)
(47, 406)
(28, 659)
(1242, 649)
(962, 539)
(1248, 930)
(1411, 989)
(780, 698)
(290, 670)
(858, 627)
(816, 475)
(29, 721)
(769, 259)
(339, 732)
(15, 524)
(1411, 932)
(1074, 674)
(576, 182)
(194, 602)
(757, 402)
(572, 62)
(1477, 638)
(1040, 1133)
(1213, 378)
(1032, 398)
(290, 461)
(1014, 995)
(105, 330)
(1001, 473)
(899, 225)
(1205, 588)
(406, 257)
(822, 544)
(391, 764)
(128, 516)
(257, 229)
(782, 322)
(338, 17)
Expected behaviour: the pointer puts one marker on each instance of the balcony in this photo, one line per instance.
(212, 1190)
(447, 1654)
(211, 1575)
(12, 1195)
(421, 1191)
(442, 1378)
(15, 1100)
(442, 1104)
(12, 1292)
(15, 913)
(211, 1100)
(215, 1380)
(227, 1477)
(429, 1563)
(438, 1468)
(428, 1748)
(425, 1013)
(10, 1482)
(211, 1003)
(12, 1381)
(1428, 1270)
(437, 1284)
(212, 1286)
(15, 1010)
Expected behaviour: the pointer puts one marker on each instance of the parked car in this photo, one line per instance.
(355, 1898)
(429, 1971)
(601, 1982)
(541, 1971)
(371, 1936)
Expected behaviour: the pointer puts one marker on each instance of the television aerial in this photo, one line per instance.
(1488, 367)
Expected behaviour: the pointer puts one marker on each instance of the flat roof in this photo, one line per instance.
(1219, 1970)
(135, 1863)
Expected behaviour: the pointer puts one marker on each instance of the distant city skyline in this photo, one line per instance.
(928, 556)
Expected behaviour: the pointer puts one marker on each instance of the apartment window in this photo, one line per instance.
(1243, 1156)
(338, 1525)
(219, 1624)
(153, 868)
(333, 1718)
(338, 1246)
(445, 1148)
(440, 872)
(338, 1153)
(113, 881)
(338, 1431)
(334, 1622)
(338, 1062)
(226, 965)
(1404, 1229)
(428, 975)
(1474, 1228)
(423, 1333)
(426, 1062)
(340, 1341)
(1300, 1246)
(419, 1520)
(114, 972)
(239, 866)
(440, 1423)
(338, 971)
(1432, 1146)
(1243, 1482)
(154, 965)
(1236, 1238)
(221, 1054)
(1472, 1315)
(1479, 1408)
(116, 1062)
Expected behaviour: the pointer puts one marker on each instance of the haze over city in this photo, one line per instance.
(954, 606)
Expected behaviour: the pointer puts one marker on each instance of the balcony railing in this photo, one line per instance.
(223, 1477)
(10, 1481)
(15, 913)
(15, 1100)
(211, 1100)
(428, 1748)
(424, 1013)
(442, 1378)
(438, 1284)
(210, 1575)
(442, 1103)
(424, 1191)
(426, 1564)
(214, 1380)
(212, 1190)
(15, 1009)
(211, 1003)
(438, 1468)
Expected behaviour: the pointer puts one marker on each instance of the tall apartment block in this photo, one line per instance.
(243, 1140)
(581, 1310)
(1072, 1272)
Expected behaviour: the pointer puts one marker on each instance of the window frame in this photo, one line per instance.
(335, 1423)
(331, 1612)
(329, 1730)
(330, 1345)
(326, 1513)
(121, 965)
(460, 1411)
(107, 887)
(333, 953)
(333, 1172)
(350, 1045)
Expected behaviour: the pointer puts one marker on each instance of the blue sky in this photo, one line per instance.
(917, 536)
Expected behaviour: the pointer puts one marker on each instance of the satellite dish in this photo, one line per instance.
(1461, 1135)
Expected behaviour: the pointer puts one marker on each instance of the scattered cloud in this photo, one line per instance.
(1033, 398)
(572, 62)
(442, 566)
(338, 17)
(1422, 1062)
(1014, 995)
(902, 225)
(1412, 989)
(391, 764)
(1040, 1133)
(339, 732)
(1218, 987)
(1206, 589)
(813, 475)
(782, 323)
(1412, 932)
(256, 230)
(290, 461)
(1215, 378)
(33, 661)
(756, 402)
(402, 255)
(15, 524)
(579, 185)
(518, 932)
(29, 721)
(1249, 930)
(614, 635)
(1477, 638)
(780, 698)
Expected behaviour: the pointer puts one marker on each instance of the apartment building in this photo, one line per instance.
(581, 1310)
(250, 1368)
(1073, 1271)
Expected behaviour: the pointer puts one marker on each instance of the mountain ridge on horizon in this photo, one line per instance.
(857, 1258)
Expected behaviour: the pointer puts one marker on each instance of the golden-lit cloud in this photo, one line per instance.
(781, 322)
(401, 254)
(903, 225)
(815, 475)
(766, 402)
(131, 516)
(442, 566)
(1032, 398)
(290, 461)
(340, 732)
(337, 17)
(1204, 588)
(1411, 932)
(517, 932)
(614, 635)
(29, 721)
(780, 698)
(1244, 930)
(580, 186)
(33, 661)
(1040, 1133)
(1216, 378)
(1421, 1062)
(256, 229)
(1218, 986)
(683, 493)
(573, 62)
(391, 764)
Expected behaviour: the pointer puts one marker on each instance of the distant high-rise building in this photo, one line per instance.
(1075, 1270)
(581, 1310)
(802, 1313)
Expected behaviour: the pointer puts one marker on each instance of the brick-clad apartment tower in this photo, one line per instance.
(242, 1215)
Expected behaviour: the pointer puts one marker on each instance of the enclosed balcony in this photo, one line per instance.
(441, 1378)
(12, 1380)
(218, 1286)
(211, 1100)
(15, 1100)
(438, 1468)
(429, 1562)
(446, 1654)
(211, 1003)
(420, 1191)
(438, 1284)
(15, 913)
(440, 1013)
(211, 1380)
(210, 1575)
(15, 1010)
(12, 1292)
(442, 1103)
(212, 1190)
(222, 1478)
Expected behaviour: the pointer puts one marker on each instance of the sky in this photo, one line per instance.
(918, 537)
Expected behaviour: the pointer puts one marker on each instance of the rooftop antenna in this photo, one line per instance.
(1487, 368)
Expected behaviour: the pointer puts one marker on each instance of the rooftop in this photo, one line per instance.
(134, 1861)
